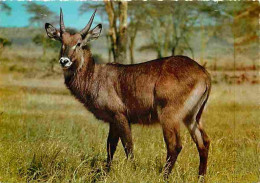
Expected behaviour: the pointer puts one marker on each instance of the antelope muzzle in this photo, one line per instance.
(65, 62)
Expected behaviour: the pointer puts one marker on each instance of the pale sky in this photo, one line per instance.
(20, 18)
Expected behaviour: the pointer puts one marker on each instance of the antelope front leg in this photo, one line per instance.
(112, 142)
(125, 134)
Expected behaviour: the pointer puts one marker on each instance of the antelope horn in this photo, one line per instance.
(62, 26)
(84, 31)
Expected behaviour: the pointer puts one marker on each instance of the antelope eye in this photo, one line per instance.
(78, 44)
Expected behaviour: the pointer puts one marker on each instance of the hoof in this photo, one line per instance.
(201, 179)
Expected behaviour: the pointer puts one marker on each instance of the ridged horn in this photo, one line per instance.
(84, 31)
(62, 26)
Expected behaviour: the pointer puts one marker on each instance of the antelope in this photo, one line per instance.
(168, 91)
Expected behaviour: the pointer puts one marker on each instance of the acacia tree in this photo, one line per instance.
(137, 23)
(183, 18)
(171, 24)
(43, 41)
(117, 14)
(40, 14)
(158, 35)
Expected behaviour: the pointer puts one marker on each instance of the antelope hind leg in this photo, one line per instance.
(202, 141)
(171, 133)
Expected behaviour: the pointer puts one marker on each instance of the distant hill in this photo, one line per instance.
(21, 35)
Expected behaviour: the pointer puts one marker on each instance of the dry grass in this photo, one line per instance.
(46, 135)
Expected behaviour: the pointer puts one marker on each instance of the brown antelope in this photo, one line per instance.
(168, 91)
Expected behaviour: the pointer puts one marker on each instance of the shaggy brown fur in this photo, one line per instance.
(168, 91)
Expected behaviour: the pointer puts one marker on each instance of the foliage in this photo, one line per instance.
(5, 42)
(137, 23)
(86, 6)
(40, 14)
(238, 24)
(222, 30)
(5, 8)
(46, 42)
(172, 28)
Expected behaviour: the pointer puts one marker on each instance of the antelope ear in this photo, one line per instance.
(52, 32)
(93, 34)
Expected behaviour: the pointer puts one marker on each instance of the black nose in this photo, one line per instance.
(63, 61)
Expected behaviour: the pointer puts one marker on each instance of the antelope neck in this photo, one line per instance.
(82, 75)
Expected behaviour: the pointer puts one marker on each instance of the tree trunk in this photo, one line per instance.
(43, 51)
(109, 55)
(109, 50)
(175, 45)
(118, 36)
(159, 53)
(132, 44)
(112, 27)
(202, 47)
(131, 50)
(1, 48)
(173, 51)
(166, 42)
(122, 41)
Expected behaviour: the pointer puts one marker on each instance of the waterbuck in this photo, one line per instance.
(168, 91)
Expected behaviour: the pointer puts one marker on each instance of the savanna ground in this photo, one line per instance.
(46, 135)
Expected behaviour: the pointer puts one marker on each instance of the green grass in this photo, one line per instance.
(46, 135)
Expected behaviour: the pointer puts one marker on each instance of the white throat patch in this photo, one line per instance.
(81, 62)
